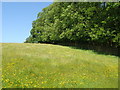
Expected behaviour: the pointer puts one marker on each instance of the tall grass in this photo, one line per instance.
(53, 66)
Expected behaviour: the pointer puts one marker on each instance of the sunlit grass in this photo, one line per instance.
(54, 66)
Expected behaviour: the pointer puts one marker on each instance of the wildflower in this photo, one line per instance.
(81, 83)
(33, 74)
(31, 82)
(35, 86)
(26, 85)
(7, 80)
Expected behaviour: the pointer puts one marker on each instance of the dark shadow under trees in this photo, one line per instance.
(97, 48)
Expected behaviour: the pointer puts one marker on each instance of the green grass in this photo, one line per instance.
(53, 66)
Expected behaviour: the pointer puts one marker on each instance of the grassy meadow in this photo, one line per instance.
(27, 65)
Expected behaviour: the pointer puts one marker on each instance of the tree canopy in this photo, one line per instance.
(77, 22)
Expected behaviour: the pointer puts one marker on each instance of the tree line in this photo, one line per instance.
(77, 22)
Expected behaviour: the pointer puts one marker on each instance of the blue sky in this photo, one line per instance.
(17, 19)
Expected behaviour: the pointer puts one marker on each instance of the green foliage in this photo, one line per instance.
(77, 21)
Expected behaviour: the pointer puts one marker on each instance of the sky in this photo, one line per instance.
(17, 19)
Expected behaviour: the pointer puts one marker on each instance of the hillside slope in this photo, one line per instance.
(53, 66)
